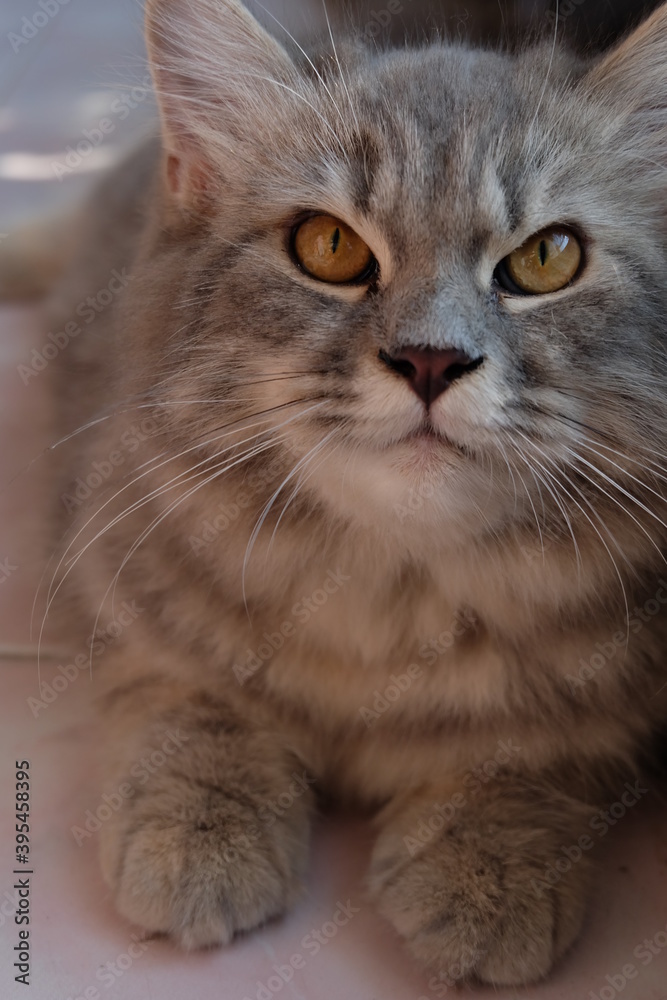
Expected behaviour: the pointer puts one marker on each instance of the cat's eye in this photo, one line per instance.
(547, 262)
(329, 250)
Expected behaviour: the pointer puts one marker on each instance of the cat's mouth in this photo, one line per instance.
(428, 442)
(427, 434)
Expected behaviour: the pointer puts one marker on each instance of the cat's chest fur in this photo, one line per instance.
(349, 637)
(451, 634)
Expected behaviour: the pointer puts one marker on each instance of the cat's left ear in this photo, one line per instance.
(220, 80)
(631, 81)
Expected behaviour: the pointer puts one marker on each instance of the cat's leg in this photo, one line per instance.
(212, 835)
(488, 886)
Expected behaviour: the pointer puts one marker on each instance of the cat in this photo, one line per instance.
(585, 24)
(366, 439)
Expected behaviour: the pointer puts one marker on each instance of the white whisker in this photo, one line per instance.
(552, 462)
(52, 593)
(157, 521)
(264, 514)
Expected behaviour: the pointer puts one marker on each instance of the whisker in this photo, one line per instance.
(264, 514)
(276, 83)
(52, 594)
(546, 79)
(550, 484)
(640, 482)
(509, 469)
(119, 410)
(592, 508)
(299, 486)
(530, 499)
(342, 76)
(157, 521)
(625, 492)
(600, 435)
(163, 487)
(308, 59)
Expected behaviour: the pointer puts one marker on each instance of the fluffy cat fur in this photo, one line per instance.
(528, 531)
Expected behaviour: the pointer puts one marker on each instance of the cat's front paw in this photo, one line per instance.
(200, 865)
(474, 904)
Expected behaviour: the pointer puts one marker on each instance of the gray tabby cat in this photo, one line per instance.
(396, 320)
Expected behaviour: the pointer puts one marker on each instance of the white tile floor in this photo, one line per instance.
(52, 87)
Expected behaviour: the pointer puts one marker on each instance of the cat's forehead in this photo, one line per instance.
(449, 136)
(446, 94)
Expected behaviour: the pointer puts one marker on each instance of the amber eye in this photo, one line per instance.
(330, 251)
(546, 263)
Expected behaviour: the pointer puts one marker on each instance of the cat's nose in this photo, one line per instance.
(430, 372)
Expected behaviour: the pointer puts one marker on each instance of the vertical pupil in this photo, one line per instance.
(335, 240)
(544, 253)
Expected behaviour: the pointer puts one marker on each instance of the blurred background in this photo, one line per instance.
(67, 65)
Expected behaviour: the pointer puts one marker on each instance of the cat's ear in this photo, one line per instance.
(218, 76)
(631, 81)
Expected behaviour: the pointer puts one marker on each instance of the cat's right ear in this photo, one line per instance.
(630, 84)
(219, 79)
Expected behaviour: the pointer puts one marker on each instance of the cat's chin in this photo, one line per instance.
(412, 489)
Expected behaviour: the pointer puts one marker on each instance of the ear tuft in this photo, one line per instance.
(218, 76)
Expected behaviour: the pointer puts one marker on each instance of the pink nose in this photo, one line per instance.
(430, 372)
